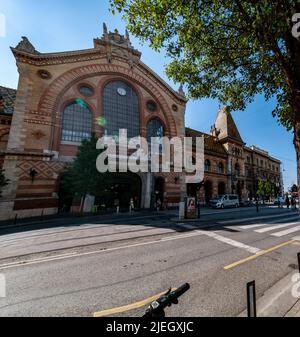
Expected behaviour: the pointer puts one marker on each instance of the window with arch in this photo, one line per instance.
(155, 129)
(4, 141)
(207, 166)
(121, 109)
(221, 168)
(77, 122)
(237, 169)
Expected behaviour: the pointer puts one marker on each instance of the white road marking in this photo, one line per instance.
(269, 229)
(286, 232)
(228, 222)
(245, 227)
(231, 242)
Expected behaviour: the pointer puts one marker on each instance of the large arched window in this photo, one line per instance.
(155, 129)
(77, 123)
(121, 109)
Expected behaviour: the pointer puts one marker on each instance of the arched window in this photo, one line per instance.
(121, 109)
(207, 166)
(221, 168)
(77, 123)
(155, 129)
(4, 141)
(237, 170)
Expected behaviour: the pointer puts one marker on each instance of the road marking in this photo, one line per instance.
(130, 307)
(286, 232)
(261, 253)
(227, 222)
(73, 255)
(224, 239)
(231, 242)
(269, 229)
(262, 225)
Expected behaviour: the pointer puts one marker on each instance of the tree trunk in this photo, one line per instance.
(297, 147)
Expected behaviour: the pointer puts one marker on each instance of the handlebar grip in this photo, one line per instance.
(181, 290)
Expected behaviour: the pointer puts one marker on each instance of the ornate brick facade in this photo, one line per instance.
(33, 154)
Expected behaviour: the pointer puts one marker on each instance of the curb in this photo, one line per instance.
(278, 300)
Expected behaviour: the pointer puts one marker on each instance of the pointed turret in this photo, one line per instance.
(226, 126)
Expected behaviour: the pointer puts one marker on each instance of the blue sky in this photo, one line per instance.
(60, 25)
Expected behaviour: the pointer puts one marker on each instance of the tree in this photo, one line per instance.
(82, 177)
(294, 189)
(230, 50)
(3, 181)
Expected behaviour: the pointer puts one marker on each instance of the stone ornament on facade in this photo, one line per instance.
(26, 46)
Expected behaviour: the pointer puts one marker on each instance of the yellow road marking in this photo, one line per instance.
(129, 307)
(253, 257)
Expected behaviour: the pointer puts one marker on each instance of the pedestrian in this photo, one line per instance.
(117, 205)
(158, 205)
(293, 203)
(131, 205)
(287, 201)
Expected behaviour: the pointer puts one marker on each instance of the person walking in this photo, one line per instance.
(293, 203)
(287, 201)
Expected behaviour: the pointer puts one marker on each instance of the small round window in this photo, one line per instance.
(86, 91)
(151, 106)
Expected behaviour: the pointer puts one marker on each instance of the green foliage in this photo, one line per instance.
(82, 177)
(223, 49)
(3, 181)
(264, 188)
(294, 189)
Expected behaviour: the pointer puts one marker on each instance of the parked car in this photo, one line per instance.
(223, 201)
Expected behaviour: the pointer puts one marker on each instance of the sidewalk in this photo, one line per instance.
(295, 311)
(77, 219)
(278, 301)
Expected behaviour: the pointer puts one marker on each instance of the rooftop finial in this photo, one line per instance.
(181, 91)
(105, 31)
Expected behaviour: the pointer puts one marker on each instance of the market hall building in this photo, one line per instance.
(59, 101)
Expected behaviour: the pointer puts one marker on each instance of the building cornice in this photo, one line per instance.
(79, 56)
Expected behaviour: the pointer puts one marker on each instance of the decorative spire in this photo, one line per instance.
(127, 35)
(105, 31)
(26, 46)
(181, 91)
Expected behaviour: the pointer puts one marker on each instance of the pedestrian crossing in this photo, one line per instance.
(277, 228)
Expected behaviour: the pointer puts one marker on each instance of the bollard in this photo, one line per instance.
(42, 215)
(299, 262)
(251, 299)
(16, 219)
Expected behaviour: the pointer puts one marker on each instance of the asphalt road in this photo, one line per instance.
(79, 268)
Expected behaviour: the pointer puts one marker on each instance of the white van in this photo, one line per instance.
(223, 201)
